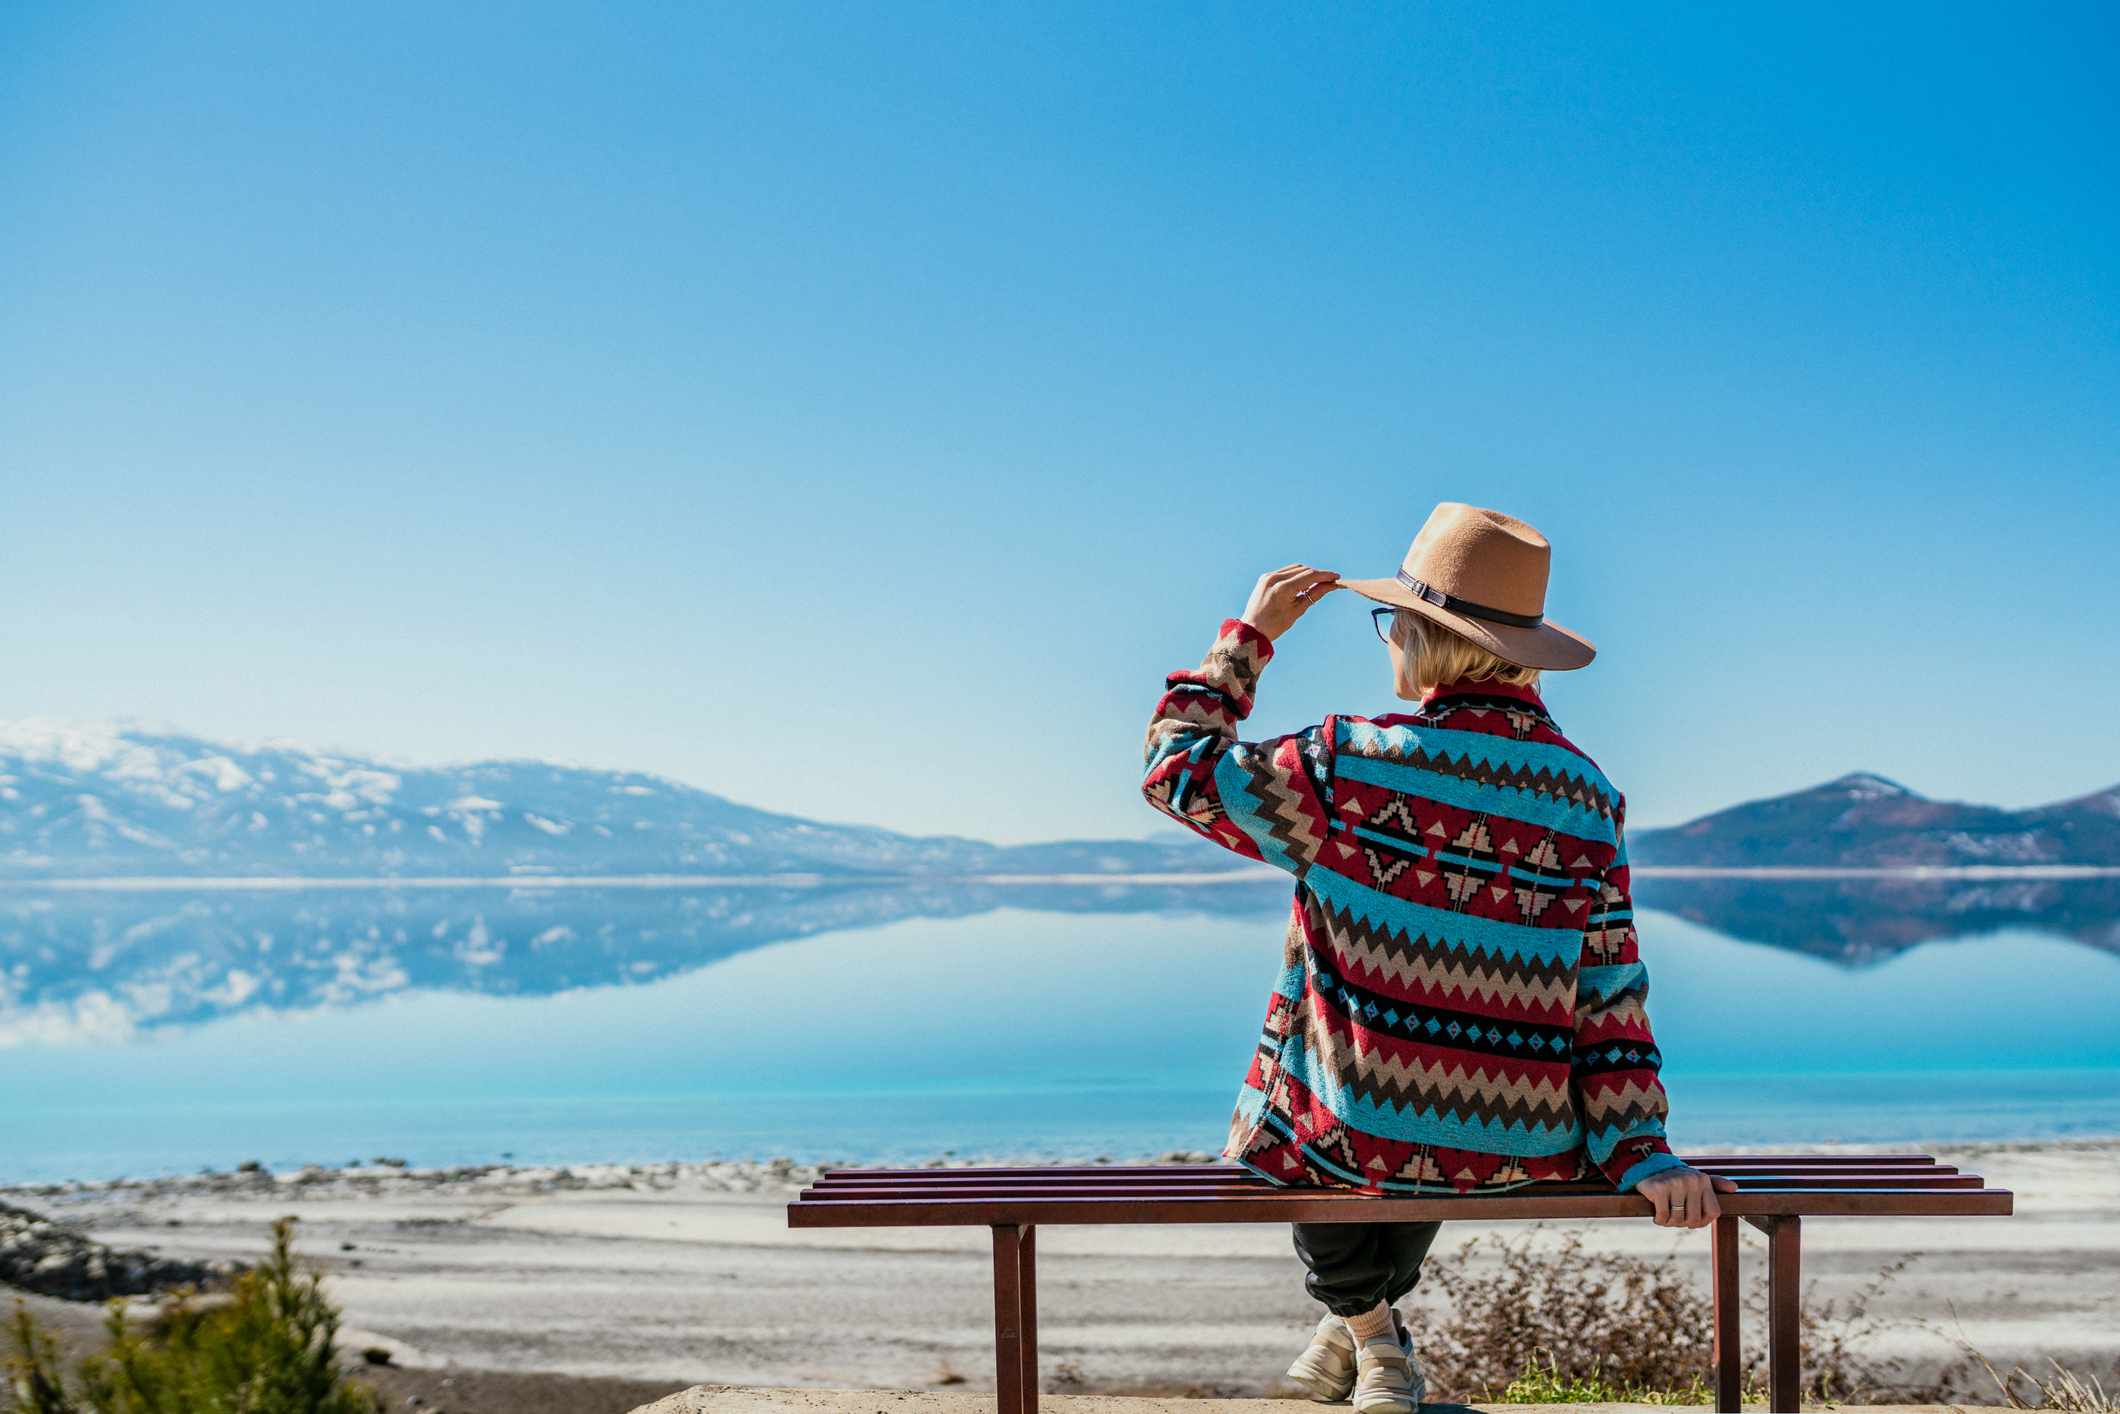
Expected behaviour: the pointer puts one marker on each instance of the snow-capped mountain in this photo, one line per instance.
(1867, 821)
(98, 802)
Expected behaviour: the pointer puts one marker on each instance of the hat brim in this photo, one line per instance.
(1549, 647)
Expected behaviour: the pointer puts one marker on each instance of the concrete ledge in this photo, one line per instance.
(744, 1399)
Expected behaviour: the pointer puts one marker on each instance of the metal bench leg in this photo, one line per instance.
(1729, 1362)
(1784, 1313)
(1028, 1250)
(1015, 1320)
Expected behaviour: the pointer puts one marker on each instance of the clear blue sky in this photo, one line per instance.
(857, 409)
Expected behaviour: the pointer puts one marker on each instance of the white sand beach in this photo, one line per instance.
(688, 1274)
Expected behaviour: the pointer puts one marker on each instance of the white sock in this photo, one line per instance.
(1372, 1324)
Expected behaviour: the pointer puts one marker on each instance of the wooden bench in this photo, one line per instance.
(1776, 1192)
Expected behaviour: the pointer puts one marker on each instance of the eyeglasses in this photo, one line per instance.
(1381, 618)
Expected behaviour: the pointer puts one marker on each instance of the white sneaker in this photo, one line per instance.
(1388, 1380)
(1326, 1370)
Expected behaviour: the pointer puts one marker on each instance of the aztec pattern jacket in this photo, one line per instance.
(1459, 1007)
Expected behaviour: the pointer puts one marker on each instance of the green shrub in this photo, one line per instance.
(269, 1348)
(1547, 1384)
(33, 1383)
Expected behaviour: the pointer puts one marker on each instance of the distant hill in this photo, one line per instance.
(101, 802)
(1866, 821)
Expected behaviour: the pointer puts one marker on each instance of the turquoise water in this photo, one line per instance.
(160, 1036)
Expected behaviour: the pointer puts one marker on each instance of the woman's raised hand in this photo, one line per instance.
(1281, 596)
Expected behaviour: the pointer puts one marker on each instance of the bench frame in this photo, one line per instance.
(1776, 1192)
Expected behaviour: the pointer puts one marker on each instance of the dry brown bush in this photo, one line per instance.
(1633, 1326)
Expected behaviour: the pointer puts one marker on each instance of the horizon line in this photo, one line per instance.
(264, 883)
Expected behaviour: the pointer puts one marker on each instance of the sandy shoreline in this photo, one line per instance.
(687, 1273)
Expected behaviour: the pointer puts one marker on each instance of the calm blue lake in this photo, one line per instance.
(164, 1032)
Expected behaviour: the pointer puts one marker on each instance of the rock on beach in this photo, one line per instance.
(50, 1258)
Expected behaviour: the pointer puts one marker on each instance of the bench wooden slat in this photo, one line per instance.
(1247, 1181)
(1808, 1160)
(1245, 1175)
(1002, 1189)
(1701, 1161)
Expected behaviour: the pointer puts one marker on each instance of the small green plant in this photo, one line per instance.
(1548, 1384)
(269, 1348)
(33, 1374)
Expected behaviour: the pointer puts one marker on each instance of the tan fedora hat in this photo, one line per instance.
(1482, 575)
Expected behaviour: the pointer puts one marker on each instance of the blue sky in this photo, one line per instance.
(856, 410)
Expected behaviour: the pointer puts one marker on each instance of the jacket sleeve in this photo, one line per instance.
(1262, 799)
(1616, 1063)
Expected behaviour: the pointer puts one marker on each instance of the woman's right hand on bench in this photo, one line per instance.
(1684, 1197)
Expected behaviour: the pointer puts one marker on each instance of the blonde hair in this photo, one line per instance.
(1435, 655)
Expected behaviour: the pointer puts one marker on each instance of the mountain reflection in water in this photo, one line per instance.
(157, 959)
(1858, 921)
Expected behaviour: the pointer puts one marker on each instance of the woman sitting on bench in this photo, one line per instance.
(1460, 1002)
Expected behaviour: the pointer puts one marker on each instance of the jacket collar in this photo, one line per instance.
(1444, 696)
(1465, 687)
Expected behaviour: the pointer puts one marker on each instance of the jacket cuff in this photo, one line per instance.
(1232, 666)
(1635, 1159)
(1248, 636)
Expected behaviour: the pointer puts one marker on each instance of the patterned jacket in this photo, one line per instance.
(1460, 1003)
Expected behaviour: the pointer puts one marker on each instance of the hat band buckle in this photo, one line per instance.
(1452, 602)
